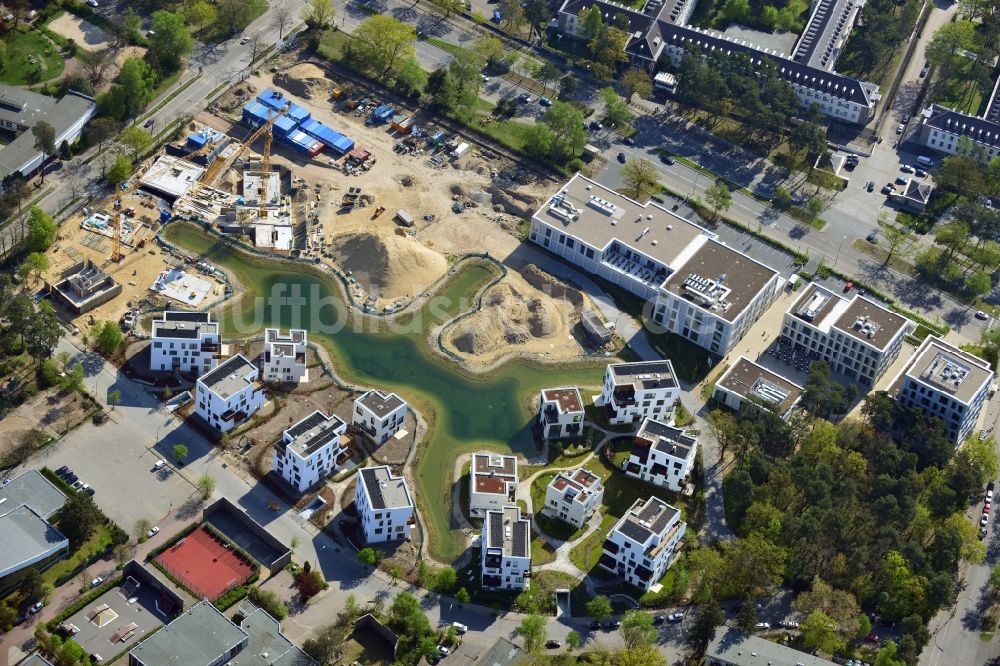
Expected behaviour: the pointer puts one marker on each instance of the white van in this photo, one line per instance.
(925, 161)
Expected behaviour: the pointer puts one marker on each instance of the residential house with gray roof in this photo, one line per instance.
(506, 550)
(644, 543)
(384, 504)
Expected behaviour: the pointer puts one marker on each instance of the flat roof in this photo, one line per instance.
(568, 398)
(501, 653)
(199, 636)
(734, 647)
(666, 438)
(294, 335)
(379, 403)
(829, 23)
(172, 176)
(644, 375)
(179, 324)
(494, 464)
(577, 484)
(947, 369)
(750, 380)
(233, 375)
(507, 530)
(35, 660)
(385, 491)
(859, 318)
(646, 518)
(313, 433)
(33, 489)
(27, 538)
(720, 280)
(268, 646)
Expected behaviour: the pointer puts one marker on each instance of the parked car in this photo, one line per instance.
(62, 471)
(871, 186)
(622, 158)
(923, 72)
(989, 494)
(906, 118)
(553, 644)
(906, 168)
(36, 607)
(92, 3)
(984, 520)
(675, 617)
(888, 189)
(628, 141)
(659, 619)
(594, 125)
(459, 627)
(872, 638)
(666, 159)
(443, 650)
(524, 98)
(848, 286)
(789, 624)
(159, 464)
(872, 237)
(545, 101)
(991, 486)
(97, 581)
(244, 39)
(982, 315)
(153, 531)
(986, 507)
(611, 625)
(982, 533)
(77, 485)
(89, 490)
(900, 180)
(763, 626)
(148, 123)
(70, 478)
(594, 626)
(921, 173)
(899, 130)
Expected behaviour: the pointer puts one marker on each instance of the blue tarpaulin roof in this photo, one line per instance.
(196, 139)
(384, 112)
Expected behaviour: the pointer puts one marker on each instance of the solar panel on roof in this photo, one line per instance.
(374, 488)
(224, 370)
(307, 424)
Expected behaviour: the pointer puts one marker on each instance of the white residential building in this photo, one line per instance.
(560, 413)
(284, 357)
(506, 550)
(662, 455)
(636, 391)
(858, 338)
(492, 482)
(941, 129)
(184, 341)
(945, 382)
(748, 383)
(311, 449)
(703, 290)
(642, 545)
(379, 415)
(384, 504)
(230, 394)
(573, 496)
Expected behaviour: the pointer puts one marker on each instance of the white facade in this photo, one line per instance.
(184, 341)
(662, 455)
(379, 415)
(857, 338)
(560, 412)
(284, 357)
(310, 450)
(642, 545)
(492, 482)
(941, 129)
(636, 391)
(747, 383)
(573, 496)
(505, 557)
(946, 382)
(384, 504)
(230, 394)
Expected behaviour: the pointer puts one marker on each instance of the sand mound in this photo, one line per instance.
(306, 70)
(393, 266)
(547, 284)
(305, 80)
(510, 316)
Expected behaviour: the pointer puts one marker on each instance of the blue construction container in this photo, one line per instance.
(383, 113)
(299, 114)
(331, 138)
(284, 126)
(255, 114)
(272, 99)
(196, 141)
(303, 143)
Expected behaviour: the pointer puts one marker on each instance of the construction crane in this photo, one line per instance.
(116, 226)
(220, 165)
(265, 169)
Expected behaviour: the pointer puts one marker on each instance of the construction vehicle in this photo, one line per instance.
(378, 211)
(350, 197)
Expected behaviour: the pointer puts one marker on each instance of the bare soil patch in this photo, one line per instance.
(84, 33)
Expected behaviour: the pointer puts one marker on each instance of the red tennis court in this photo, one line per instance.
(205, 565)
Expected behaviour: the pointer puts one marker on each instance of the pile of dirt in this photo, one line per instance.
(510, 316)
(513, 202)
(305, 80)
(548, 284)
(388, 264)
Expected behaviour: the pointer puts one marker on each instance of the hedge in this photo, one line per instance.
(80, 603)
(230, 598)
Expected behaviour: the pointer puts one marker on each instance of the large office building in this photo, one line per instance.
(230, 394)
(662, 455)
(750, 384)
(703, 290)
(858, 338)
(635, 391)
(941, 129)
(642, 545)
(184, 341)
(21, 109)
(560, 412)
(505, 556)
(946, 382)
(384, 505)
(492, 482)
(311, 449)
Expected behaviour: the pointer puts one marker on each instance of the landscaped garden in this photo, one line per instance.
(31, 57)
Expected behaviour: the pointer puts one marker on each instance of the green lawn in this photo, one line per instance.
(586, 553)
(31, 58)
(541, 552)
(333, 44)
(98, 543)
(554, 527)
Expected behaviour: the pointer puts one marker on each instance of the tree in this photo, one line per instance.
(45, 141)
(412, 79)
(532, 630)
(270, 602)
(979, 283)
(641, 178)
(887, 656)
(42, 333)
(199, 14)
(325, 645)
(599, 607)
(538, 139)
(814, 207)
(206, 486)
(382, 44)
(233, 15)
(170, 41)
(308, 583)
(719, 197)
(640, 657)
(180, 452)
(136, 82)
(746, 619)
(65, 153)
(567, 87)
(995, 578)
(710, 616)
(490, 48)
(283, 18)
(593, 23)
(616, 111)
(636, 82)
(819, 632)
(568, 135)
(367, 556)
(109, 337)
(839, 605)
(95, 66)
(637, 630)
(446, 579)
(77, 518)
(120, 170)
(140, 527)
(41, 230)
(30, 584)
(135, 140)
(37, 263)
(753, 565)
(100, 130)
(546, 73)
(897, 242)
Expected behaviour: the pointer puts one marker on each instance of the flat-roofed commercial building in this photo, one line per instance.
(560, 412)
(858, 338)
(311, 449)
(946, 382)
(642, 545)
(662, 455)
(748, 383)
(703, 290)
(506, 550)
(184, 341)
(379, 415)
(636, 391)
(731, 647)
(492, 482)
(384, 505)
(284, 356)
(21, 109)
(573, 496)
(230, 394)
(27, 503)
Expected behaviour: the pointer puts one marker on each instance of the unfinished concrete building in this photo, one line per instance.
(83, 287)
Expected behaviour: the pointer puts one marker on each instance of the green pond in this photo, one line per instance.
(464, 411)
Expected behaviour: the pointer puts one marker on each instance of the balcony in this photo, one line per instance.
(214, 349)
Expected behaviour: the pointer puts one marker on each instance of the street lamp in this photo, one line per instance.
(837, 258)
